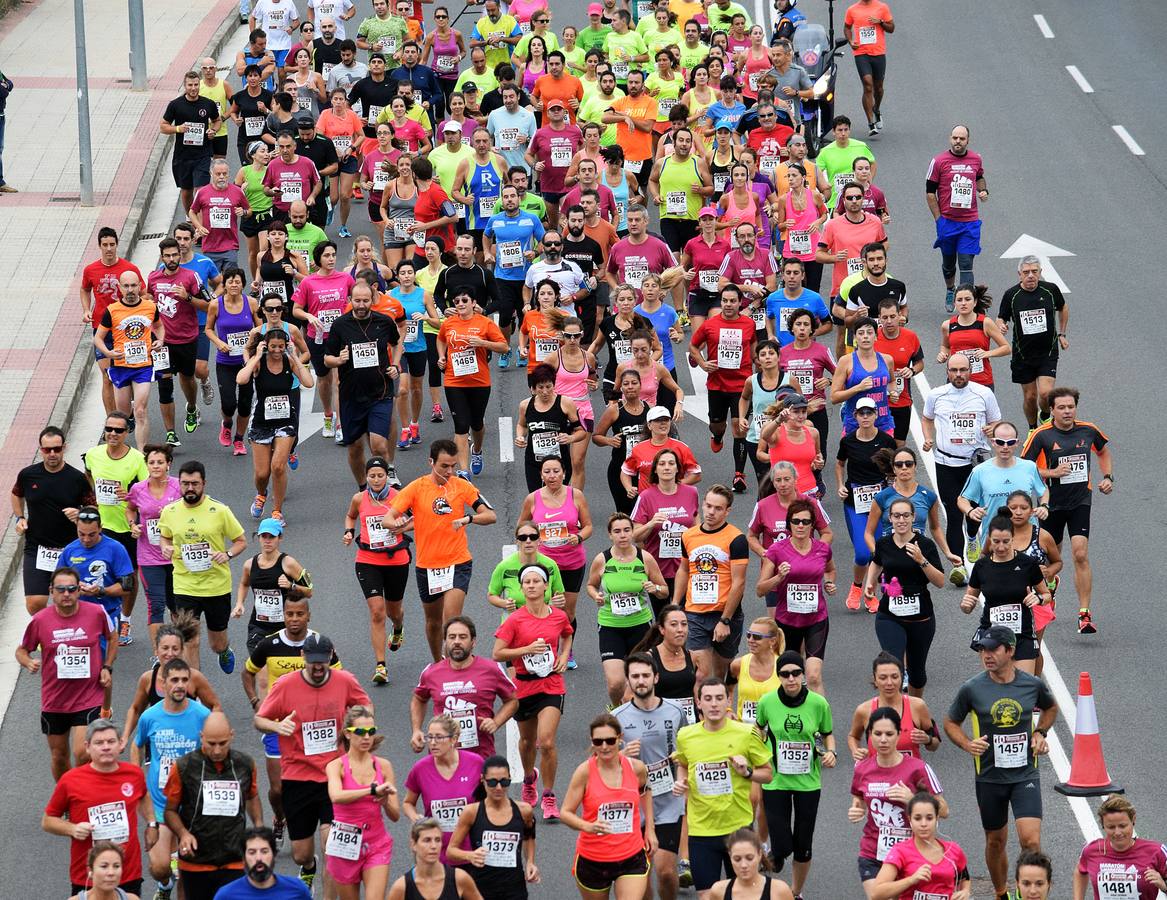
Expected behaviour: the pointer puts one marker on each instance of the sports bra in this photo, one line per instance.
(449, 889)
(765, 895)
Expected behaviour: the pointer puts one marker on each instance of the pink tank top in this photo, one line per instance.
(732, 211)
(801, 455)
(802, 223)
(753, 70)
(446, 56)
(648, 386)
(574, 386)
(365, 812)
(556, 524)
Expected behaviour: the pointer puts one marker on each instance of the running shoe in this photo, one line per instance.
(396, 639)
(1052, 584)
(391, 477)
(308, 877)
(193, 417)
(436, 414)
(972, 549)
(172, 439)
(163, 892)
(403, 441)
(380, 674)
(279, 516)
(950, 300)
(125, 637)
(238, 449)
(877, 127)
(739, 483)
(572, 665)
(530, 794)
(958, 575)
(227, 661)
(132, 424)
(358, 192)
(683, 318)
(504, 360)
(257, 505)
(684, 873)
(476, 462)
(277, 830)
(550, 807)
(872, 604)
(414, 433)
(872, 131)
(463, 474)
(327, 431)
(338, 437)
(854, 597)
(208, 392)
(716, 443)
(1085, 625)
(344, 232)
(293, 462)
(225, 434)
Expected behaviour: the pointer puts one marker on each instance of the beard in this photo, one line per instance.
(260, 871)
(458, 654)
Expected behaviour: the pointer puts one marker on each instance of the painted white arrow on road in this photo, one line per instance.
(1027, 245)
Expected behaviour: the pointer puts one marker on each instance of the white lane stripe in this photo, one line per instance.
(512, 730)
(506, 441)
(1043, 26)
(1131, 144)
(1053, 677)
(1080, 79)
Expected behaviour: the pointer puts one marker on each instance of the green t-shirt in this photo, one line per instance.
(392, 32)
(836, 161)
(529, 202)
(304, 240)
(592, 110)
(446, 163)
(720, 19)
(504, 581)
(484, 82)
(592, 37)
(574, 59)
(790, 732)
(655, 39)
(625, 603)
(621, 48)
(690, 56)
(506, 26)
(719, 798)
(197, 532)
(667, 93)
(549, 39)
(108, 475)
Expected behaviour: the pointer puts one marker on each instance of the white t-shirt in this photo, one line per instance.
(330, 9)
(274, 17)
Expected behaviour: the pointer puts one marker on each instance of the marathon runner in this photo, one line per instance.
(144, 505)
(193, 119)
(954, 186)
(100, 286)
(179, 294)
(445, 779)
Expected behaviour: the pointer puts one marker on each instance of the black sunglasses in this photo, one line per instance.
(278, 309)
(497, 782)
(802, 521)
(904, 463)
(60, 449)
(573, 335)
(110, 429)
(66, 588)
(526, 537)
(605, 741)
(790, 673)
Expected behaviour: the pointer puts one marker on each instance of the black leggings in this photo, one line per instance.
(912, 639)
(431, 353)
(619, 495)
(814, 276)
(761, 469)
(468, 407)
(783, 807)
(950, 481)
(233, 397)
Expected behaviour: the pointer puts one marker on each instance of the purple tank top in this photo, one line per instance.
(232, 329)
(446, 57)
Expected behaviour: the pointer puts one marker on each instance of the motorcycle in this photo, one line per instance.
(817, 51)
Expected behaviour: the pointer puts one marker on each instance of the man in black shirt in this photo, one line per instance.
(321, 151)
(492, 100)
(326, 48)
(863, 298)
(193, 120)
(465, 274)
(373, 93)
(45, 500)
(589, 256)
(365, 347)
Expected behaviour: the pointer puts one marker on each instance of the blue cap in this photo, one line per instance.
(271, 526)
(724, 122)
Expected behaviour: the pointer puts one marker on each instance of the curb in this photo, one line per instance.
(11, 549)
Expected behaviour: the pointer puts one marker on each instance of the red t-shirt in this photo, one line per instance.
(706, 260)
(639, 461)
(102, 282)
(769, 142)
(319, 716)
(728, 345)
(428, 208)
(466, 693)
(108, 800)
(522, 629)
(70, 656)
(904, 350)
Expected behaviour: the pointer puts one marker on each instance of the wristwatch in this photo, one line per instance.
(724, 621)
(1044, 732)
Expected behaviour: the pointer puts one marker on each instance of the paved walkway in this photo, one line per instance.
(46, 237)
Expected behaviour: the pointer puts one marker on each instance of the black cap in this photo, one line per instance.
(318, 649)
(305, 120)
(997, 636)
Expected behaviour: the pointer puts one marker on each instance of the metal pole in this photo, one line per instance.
(84, 145)
(137, 46)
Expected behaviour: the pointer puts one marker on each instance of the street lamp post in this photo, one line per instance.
(84, 144)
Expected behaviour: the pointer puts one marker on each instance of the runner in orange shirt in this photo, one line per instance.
(866, 26)
(634, 116)
(344, 128)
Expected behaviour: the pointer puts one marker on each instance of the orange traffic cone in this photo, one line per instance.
(1088, 775)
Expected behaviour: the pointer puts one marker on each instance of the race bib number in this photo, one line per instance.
(689, 708)
(660, 777)
(465, 362)
(794, 757)
(401, 229)
(364, 355)
(749, 711)
(319, 736)
(269, 605)
(620, 70)
(713, 779)
(197, 557)
(960, 192)
(508, 138)
(665, 106)
(729, 350)
(753, 80)
(620, 208)
(1008, 615)
(136, 353)
(769, 164)
(275, 287)
(1011, 751)
(486, 206)
(623, 350)
(803, 378)
(502, 848)
(757, 315)
(539, 664)
(219, 216)
(467, 720)
(447, 811)
(545, 444)
(418, 98)
(903, 604)
(1078, 469)
(47, 558)
(670, 544)
(72, 662)
(720, 182)
(888, 838)
(676, 203)
(617, 815)
(110, 822)
(379, 536)
(708, 280)
(525, 28)
(624, 604)
(380, 179)
(411, 331)
(153, 532)
(635, 273)
(867, 35)
(277, 406)
(1117, 885)
(374, 112)
(1033, 321)
(964, 428)
(854, 265)
(510, 254)
(447, 63)
(976, 364)
(644, 9)
(560, 157)
(863, 495)
(326, 70)
(703, 590)
(253, 126)
(841, 179)
(342, 142)
(236, 342)
(291, 190)
(220, 798)
(545, 347)
(107, 491)
(194, 134)
(439, 580)
(802, 598)
(799, 243)
(344, 841)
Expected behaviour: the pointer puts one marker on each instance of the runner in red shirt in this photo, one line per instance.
(704, 254)
(638, 463)
(433, 209)
(903, 346)
(99, 288)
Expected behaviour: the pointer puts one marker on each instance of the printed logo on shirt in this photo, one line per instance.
(1005, 713)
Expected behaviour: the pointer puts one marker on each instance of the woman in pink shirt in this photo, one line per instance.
(1120, 864)
(923, 865)
(321, 299)
(406, 131)
(444, 780)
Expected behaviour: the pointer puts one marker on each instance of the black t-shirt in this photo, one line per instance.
(493, 100)
(1003, 586)
(322, 153)
(370, 94)
(45, 494)
(585, 253)
(254, 119)
(1050, 446)
(364, 379)
(195, 143)
(1031, 318)
(857, 454)
(870, 294)
(325, 53)
(478, 280)
(904, 585)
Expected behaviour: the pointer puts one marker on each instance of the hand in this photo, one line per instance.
(783, 571)
(856, 814)
(866, 384)
(899, 792)
(533, 876)
(927, 445)
(954, 559)
(1042, 512)
(1062, 469)
(347, 539)
(922, 874)
(559, 601)
(188, 845)
(22, 526)
(1031, 599)
(220, 558)
(1105, 486)
(487, 725)
(478, 858)
(860, 753)
(1040, 744)
(34, 666)
(942, 356)
(913, 551)
(1063, 342)
(287, 727)
(977, 747)
(740, 764)
(417, 741)
(343, 355)
(237, 611)
(843, 491)
(830, 759)
(632, 493)
(720, 632)
(680, 787)
(560, 665)
(632, 748)
(967, 603)
(82, 831)
(1153, 877)
(921, 737)
(817, 463)
(87, 316)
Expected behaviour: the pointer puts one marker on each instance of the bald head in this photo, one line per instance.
(217, 736)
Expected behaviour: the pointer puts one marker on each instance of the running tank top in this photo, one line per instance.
(649, 385)
(530, 77)
(556, 524)
(307, 100)
(574, 386)
(880, 378)
(631, 429)
(376, 545)
(449, 888)
(382, 284)
(253, 190)
(905, 744)
(267, 608)
(733, 211)
(253, 118)
(364, 812)
(753, 71)
(972, 337)
(676, 182)
(273, 279)
(446, 56)
(622, 583)
(677, 685)
(486, 187)
(720, 173)
(619, 807)
(295, 380)
(750, 691)
(620, 192)
(232, 329)
(799, 234)
(759, 402)
(498, 878)
(543, 430)
(1034, 551)
(801, 455)
(398, 209)
(152, 695)
(765, 891)
(274, 407)
(218, 96)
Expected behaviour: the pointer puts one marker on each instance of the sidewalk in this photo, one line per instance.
(46, 237)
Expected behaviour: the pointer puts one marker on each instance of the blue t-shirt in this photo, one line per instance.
(922, 500)
(778, 301)
(662, 320)
(989, 486)
(512, 133)
(413, 302)
(718, 111)
(285, 888)
(525, 230)
(105, 563)
(169, 736)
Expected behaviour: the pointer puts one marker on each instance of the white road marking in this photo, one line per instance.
(1080, 79)
(1043, 26)
(506, 442)
(1027, 245)
(697, 402)
(1131, 144)
(512, 730)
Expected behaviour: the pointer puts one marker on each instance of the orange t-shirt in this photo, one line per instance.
(711, 558)
(603, 233)
(543, 340)
(132, 330)
(344, 131)
(467, 366)
(434, 508)
(637, 144)
(870, 37)
(549, 88)
(386, 306)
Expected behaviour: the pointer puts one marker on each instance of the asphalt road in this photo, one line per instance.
(1057, 171)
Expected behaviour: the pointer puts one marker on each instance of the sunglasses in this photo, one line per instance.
(60, 449)
(759, 636)
(110, 429)
(1005, 442)
(802, 521)
(362, 732)
(497, 782)
(278, 309)
(552, 244)
(904, 463)
(605, 741)
(853, 197)
(866, 411)
(526, 537)
(790, 673)
(88, 516)
(66, 588)
(444, 17)
(572, 335)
